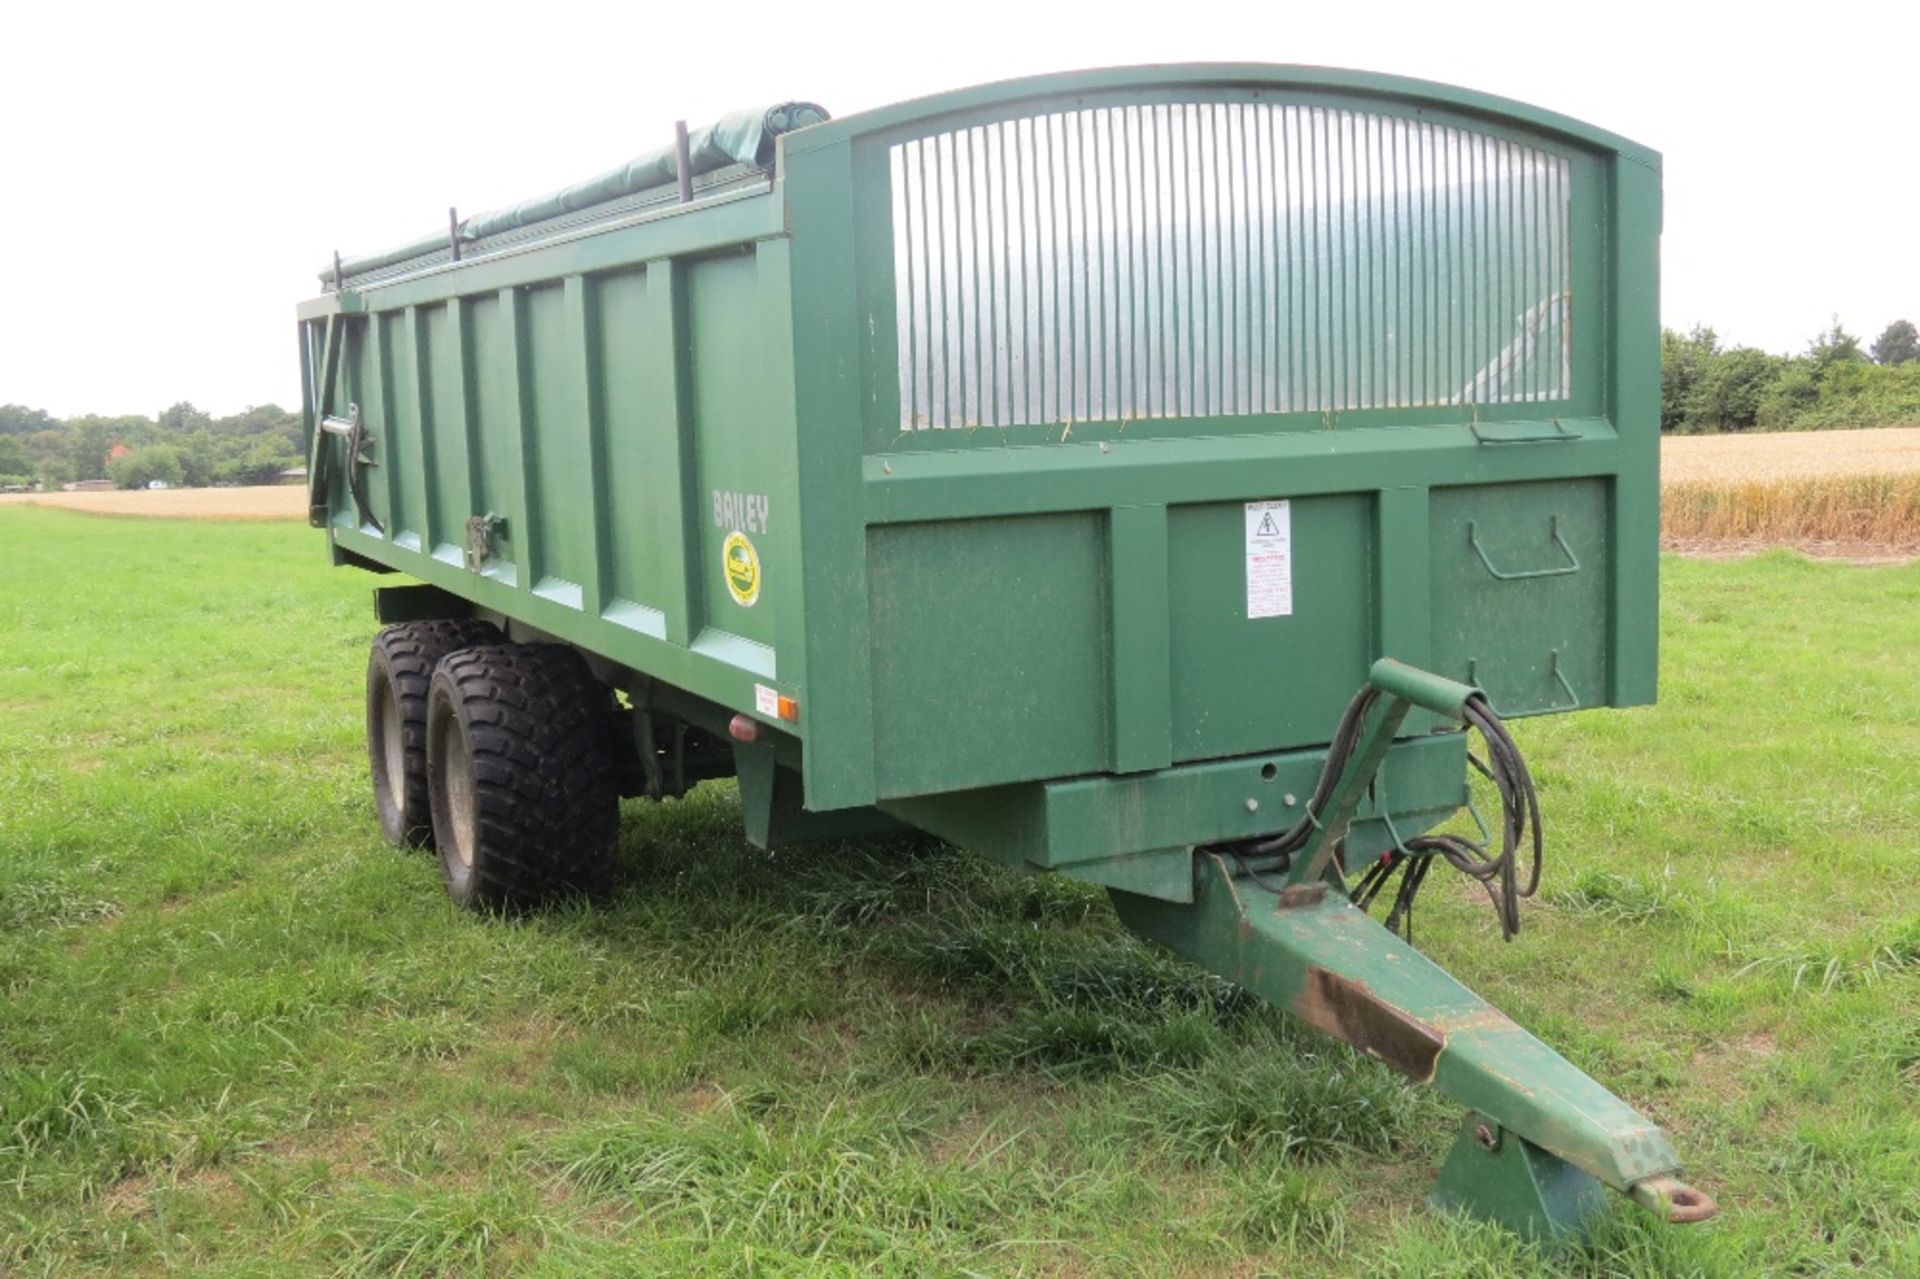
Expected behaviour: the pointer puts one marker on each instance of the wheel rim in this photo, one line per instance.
(393, 749)
(458, 774)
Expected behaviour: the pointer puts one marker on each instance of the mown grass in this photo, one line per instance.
(240, 1036)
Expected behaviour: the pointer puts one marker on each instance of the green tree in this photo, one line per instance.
(49, 451)
(18, 419)
(1728, 394)
(141, 467)
(1684, 360)
(262, 463)
(261, 419)
(1834, 346)
(1794, 392)
(183, 419)
(14, 462)
(1898, 343)
(54, 470)
(200, 457)
(90, 437)
(49, 443)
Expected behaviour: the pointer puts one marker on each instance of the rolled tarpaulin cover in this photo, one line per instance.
(740, 137)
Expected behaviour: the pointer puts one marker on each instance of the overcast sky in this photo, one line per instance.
(172, 175)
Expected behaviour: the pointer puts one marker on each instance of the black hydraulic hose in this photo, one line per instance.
(1345, 738)
(1497, 872)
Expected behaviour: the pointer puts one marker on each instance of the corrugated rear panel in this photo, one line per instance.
(1224, 259)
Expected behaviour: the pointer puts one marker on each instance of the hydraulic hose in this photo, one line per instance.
(1497, 871)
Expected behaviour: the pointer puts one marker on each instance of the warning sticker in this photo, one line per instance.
(741, 564)
(1269, 559)
(766, 700)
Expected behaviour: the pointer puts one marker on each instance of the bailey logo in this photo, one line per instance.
(740, 512)
(740, 563)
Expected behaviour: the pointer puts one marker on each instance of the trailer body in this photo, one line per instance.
(1044, 464)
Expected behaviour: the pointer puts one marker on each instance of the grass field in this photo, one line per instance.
(240, 1036)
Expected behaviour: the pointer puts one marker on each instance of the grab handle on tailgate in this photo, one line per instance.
(1553, 528)
(1557, 435)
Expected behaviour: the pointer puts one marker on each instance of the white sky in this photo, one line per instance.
(172, 175)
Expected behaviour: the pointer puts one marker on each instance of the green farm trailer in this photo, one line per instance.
(1044, 466)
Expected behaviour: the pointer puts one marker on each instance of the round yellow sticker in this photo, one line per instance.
(741, 564)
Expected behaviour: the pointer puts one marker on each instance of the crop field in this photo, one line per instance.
(241, 1036)
(1848, 493)
(256, 502)
(1755, 457)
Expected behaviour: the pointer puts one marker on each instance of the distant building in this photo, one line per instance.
(294, 475)
(118, 451)
(90, 486)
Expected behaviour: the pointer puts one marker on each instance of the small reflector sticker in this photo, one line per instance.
(775, 705)
(1269, 559)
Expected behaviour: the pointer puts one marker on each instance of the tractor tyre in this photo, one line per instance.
(399, 671)
(522, 774)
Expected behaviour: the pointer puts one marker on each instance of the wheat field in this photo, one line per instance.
(1789, 455)
(259, 502)
(1850, 493)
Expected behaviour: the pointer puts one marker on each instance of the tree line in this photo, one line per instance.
(1835, 382)
(182, 446)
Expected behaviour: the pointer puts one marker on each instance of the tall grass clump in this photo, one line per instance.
(850, 1184)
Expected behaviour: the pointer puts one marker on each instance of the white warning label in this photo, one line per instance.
(1269, 559)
